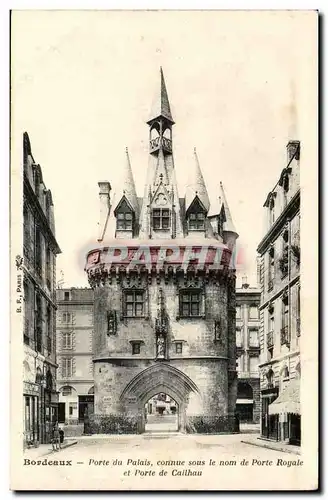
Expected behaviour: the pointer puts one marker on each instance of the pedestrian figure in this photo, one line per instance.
(56, 446)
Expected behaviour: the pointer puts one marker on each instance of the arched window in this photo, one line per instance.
(167, 133)
(66, 390)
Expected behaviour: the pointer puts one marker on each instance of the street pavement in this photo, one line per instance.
(158, 423)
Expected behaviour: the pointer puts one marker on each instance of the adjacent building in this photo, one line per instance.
(161, 404)
(164, 289)
(40, 248)
(248, 352)
(74, 331)
(280, 327)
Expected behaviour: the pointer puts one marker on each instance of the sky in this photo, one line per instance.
(82, 87)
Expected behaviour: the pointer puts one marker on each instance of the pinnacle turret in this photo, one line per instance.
(127, 186)
(228, 224)
(197, 187)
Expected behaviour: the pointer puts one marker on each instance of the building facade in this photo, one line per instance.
(74, 331)
(161, 404)
(164, 284)
(40, 248)
(248, 352)
(280, 308)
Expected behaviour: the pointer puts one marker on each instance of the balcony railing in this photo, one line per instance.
(167, 144)
(298, 327)
(270, 340)
(155, 143)
(284, 336)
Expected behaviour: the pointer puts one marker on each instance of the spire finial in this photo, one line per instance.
(195, 150)
(161, 105)
(126, 149)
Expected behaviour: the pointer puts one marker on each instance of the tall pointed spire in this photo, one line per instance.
(197, 187)
(228, 225)
(127, 186)
(161, 104)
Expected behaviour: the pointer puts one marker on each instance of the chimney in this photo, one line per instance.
(244, 283)
(104, 199)
(293, 150)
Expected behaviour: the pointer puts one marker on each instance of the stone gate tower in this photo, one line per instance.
(164, 281)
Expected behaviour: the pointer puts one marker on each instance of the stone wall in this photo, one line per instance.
(202, 378)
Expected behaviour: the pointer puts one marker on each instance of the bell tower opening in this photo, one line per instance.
(161, 414)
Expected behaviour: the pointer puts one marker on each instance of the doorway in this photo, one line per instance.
(161, 414)
(61, 413)
(86, 406)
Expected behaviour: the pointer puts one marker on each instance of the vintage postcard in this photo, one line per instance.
(164, 233)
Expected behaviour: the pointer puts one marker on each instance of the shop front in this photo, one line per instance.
(269, 422)
(31, 401)
(286, 409)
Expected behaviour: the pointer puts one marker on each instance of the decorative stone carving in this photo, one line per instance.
(160, 347)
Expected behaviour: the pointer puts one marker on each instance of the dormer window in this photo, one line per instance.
(196, 216)
(161, 218)
(197, 221)
(124, 216)
(124, 221)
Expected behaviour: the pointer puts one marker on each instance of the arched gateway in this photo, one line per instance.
(160, 378)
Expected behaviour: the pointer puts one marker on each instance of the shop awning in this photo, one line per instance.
(288, 401)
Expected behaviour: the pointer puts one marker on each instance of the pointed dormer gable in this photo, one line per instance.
(125, 219)
(197, 187)
(126, 187)
(196, 216)
(161, 105)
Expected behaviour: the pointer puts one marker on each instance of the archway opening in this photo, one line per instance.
(161, 414)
